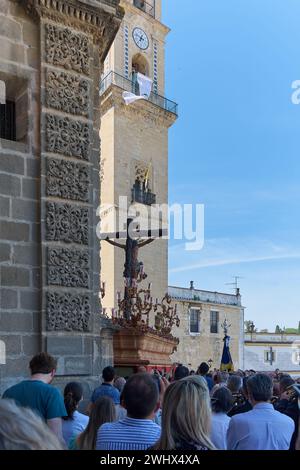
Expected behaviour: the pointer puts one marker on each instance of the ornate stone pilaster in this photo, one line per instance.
(75, 37)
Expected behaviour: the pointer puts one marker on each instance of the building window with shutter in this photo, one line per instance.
(214, 322)
(13, 108)
(8, 120)
(194, 321)
(270, 356)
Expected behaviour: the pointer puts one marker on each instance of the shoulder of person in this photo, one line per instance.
(52, 393)
(240, 417)
(284, 417)
(107, 426)
(9, 391)
(81, 416)
(155, 426)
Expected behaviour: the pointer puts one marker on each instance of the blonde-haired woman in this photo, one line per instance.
(186, 416)
(22, 429)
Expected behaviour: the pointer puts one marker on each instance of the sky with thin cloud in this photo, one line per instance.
(236, 149)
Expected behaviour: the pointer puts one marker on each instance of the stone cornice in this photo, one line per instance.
(100, 19)
(143, 109)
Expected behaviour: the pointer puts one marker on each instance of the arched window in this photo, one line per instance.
(140, 65)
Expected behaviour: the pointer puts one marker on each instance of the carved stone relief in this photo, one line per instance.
(68, 268)
(67, 180)
(67, 223)
(67, 312)
(67, 92)
(67, 49)
(67, 136)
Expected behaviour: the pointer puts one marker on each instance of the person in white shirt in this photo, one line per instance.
(75, 423)
(262, 428)
(221, 403)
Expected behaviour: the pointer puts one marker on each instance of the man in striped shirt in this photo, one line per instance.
(140, 397)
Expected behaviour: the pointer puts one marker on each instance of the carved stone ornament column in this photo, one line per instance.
(75, 37)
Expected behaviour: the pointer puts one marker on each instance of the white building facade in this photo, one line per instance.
(270, 351)
(202, 314)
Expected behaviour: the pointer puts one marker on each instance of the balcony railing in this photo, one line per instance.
(114, 78)
(145, 6)
(142, 196)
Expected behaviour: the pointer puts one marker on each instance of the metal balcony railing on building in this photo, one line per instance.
(147, 7)
(126, 84)
(142, 196)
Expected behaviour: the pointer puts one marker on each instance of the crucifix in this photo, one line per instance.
(133, 268)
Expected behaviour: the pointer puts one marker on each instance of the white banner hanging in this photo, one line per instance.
(145, 88)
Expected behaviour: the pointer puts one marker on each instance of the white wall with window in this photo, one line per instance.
(280, 353)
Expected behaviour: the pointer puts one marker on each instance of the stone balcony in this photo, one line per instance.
(115, 79)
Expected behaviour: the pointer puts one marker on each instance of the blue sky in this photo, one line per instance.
(235, 148)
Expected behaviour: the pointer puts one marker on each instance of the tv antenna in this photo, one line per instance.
(235, 284)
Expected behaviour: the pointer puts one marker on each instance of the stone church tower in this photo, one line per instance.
(134, 139)
(51, 61)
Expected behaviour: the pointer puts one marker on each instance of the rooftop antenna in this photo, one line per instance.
(235, 284)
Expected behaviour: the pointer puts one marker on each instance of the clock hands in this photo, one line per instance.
(141, 39)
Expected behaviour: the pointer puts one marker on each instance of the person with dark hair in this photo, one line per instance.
(288, 404)
(103, 411)
(203, 370)
(181, 372)
(245, 405)
(263, 428)
(140, 397)
(75, 422)
(37, 393)
(234, 383)
(107, 388)
(221, 404)
(219, 380)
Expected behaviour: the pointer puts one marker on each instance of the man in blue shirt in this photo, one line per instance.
(107, 388)
(140, 397)
(203, 371)
(263, 428)
(37, 393)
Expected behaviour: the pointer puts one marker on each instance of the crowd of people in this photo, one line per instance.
(188, 411)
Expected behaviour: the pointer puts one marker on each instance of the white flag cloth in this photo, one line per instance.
(145, 88)
(2, 92)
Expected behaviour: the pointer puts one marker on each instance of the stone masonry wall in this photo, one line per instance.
(20, 275)
(50, 187)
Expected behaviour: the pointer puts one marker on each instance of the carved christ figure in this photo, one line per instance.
(132, 266)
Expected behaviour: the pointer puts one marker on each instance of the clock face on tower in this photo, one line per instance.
(140, 38)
